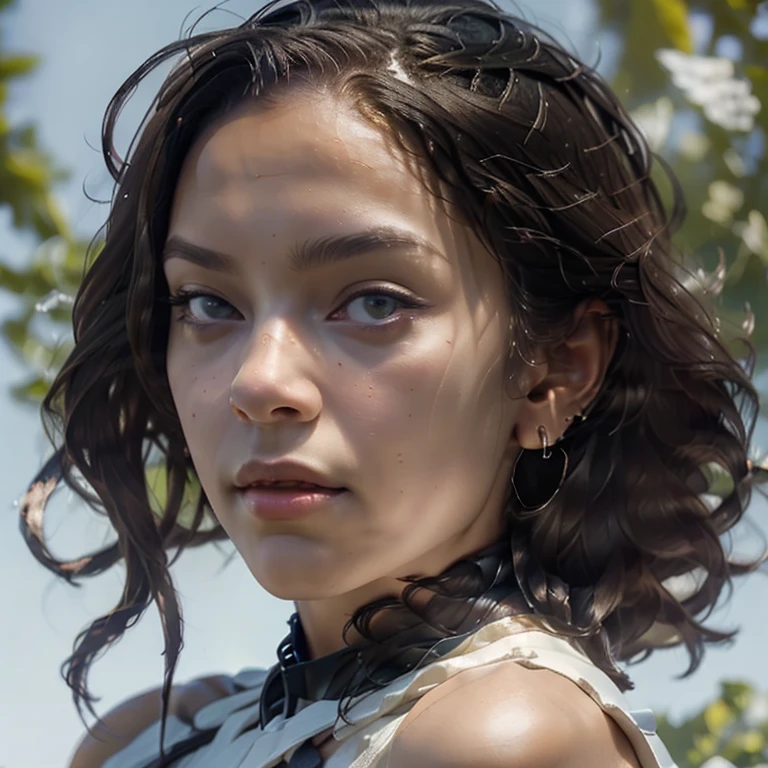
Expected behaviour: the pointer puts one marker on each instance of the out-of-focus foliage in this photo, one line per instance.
(695, 75)
(731, 731)
(46, 283)
(705, 114)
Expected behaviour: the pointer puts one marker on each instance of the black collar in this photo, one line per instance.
(297, 677)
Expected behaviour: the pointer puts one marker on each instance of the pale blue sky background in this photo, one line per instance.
(88, 47)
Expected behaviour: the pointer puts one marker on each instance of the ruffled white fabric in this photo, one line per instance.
(241, 742)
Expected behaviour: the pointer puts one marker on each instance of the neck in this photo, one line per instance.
(323, 621)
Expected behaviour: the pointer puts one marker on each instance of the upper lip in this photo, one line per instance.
(254, 472)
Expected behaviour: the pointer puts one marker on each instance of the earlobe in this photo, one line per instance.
(574, 374)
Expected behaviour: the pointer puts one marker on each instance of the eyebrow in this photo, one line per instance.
(310, 254)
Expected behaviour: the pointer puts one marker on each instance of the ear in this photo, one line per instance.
(571, 377)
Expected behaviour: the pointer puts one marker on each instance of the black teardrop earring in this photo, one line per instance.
(536, 473)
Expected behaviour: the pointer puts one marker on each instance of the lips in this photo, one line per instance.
(287, 500)
(287, 484)
(289, 475)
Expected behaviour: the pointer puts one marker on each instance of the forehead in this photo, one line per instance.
(307, 164)
(303, 135)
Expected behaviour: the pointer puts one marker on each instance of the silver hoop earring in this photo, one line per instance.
(546, 453)
(538, 476)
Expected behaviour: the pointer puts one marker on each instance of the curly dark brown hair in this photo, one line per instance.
(556, 180)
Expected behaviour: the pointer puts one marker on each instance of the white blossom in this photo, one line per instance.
(724, 200)
(53, 300)
(754, 234)
(694, 146)
(756, 713)
(710, 83)
(735, 163)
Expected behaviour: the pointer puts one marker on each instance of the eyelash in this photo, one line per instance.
(182, 298)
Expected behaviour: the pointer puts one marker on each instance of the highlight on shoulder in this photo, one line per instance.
(508, 716)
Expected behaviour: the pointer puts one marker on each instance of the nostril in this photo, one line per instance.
(286, 412)
(239, 412)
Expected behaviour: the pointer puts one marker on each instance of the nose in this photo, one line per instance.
(272, 382)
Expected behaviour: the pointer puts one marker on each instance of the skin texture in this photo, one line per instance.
(505, 715)
(413, 417)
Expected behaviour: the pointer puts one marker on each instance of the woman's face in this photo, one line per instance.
(379, 366)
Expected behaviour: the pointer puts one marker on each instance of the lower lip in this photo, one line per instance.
(287, 504)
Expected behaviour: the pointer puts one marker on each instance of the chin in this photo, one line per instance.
(296, 592)
(284, 585)
(297, 568)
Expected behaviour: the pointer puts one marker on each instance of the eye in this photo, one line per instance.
(374, 306)
(199, 308)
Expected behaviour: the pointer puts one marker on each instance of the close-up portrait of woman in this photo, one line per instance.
(389, 298)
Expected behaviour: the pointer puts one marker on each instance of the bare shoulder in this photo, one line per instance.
(129, 719)
(508, 716)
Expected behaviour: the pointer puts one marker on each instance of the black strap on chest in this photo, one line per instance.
(182, 748)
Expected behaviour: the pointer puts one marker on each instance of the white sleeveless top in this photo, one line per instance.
(241, 742)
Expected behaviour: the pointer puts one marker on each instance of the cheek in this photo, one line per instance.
(200, 395)
(182, 379)
(438, 408)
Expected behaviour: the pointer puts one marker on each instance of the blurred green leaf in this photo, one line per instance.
(16, 66)
(157, 487)
(717, 716)
(700, 153)
(32, 390)
(744, 5)
(673, 17)
(756, 73)
(736, 694)
(723, 728)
